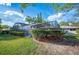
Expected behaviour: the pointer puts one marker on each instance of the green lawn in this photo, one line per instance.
(16, 45)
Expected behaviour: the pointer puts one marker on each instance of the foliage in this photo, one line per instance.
(45, 32)
(0, 25)
(39, 19)
(18, 32)
(4, 26)
(57, 6)
(77, 31)
(67, 23)
(25, 5)
(35, 20)
(75, 23)
(63, 7)
(64, 23)
(29, 19)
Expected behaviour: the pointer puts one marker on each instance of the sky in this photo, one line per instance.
(10, 13)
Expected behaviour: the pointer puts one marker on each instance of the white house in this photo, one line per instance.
(21, 26)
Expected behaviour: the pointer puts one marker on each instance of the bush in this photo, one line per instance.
(77, 31)
(44, 33)
(19, 33)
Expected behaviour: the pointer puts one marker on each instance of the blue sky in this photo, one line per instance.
(11, 13)
(32, 11)
(29, 11)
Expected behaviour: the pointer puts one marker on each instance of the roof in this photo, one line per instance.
(69, 26)
(22, 24)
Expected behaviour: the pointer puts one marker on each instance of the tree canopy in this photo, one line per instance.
(56, 6)
(35, 20)
(25, 5)
(29, 19)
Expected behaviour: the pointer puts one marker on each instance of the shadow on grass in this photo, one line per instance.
(7, 37)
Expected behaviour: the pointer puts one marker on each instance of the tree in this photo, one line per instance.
(5, 26)
(0, 24)
(75, 23)
(64, 23)
(35, 20)
(25, 5)
(29, 19)
(39, 18)
(64, 7)
(57, 6)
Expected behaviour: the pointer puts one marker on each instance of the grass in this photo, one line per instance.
(16, 45)
(13, 45)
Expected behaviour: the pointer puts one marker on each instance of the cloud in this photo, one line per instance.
(66, 16)
(55, 16)
(70, 15)
(10, 16)
(5, 4)
(7, 23)
(10, 12)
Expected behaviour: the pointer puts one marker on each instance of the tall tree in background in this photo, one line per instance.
(35, 20)
(0, 23)
(61, 7)
(63, 23)
(58, 7)
(29, 19)
(39, 18)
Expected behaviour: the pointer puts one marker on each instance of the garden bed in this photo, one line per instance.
(47, 35)
(69, 45)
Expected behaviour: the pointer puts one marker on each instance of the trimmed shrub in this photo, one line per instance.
(18, 33)
(46, 33)
(77, 31)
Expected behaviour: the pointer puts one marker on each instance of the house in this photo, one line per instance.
(21, 26)
(70, 29)
(51, 24)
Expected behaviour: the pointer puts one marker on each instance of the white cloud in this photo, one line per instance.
(10, 16)
(5, 4)
(8, 4)
(65, 16)
(55, 17)
(8, 23)
(10, 13)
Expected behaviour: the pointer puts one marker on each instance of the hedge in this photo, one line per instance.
(46, 32)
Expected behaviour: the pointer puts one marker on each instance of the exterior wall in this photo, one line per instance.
(25, 28)
(72, 28)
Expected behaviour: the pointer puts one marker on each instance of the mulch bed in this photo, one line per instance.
(50, 39)
(57, 46)
(57, 40)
